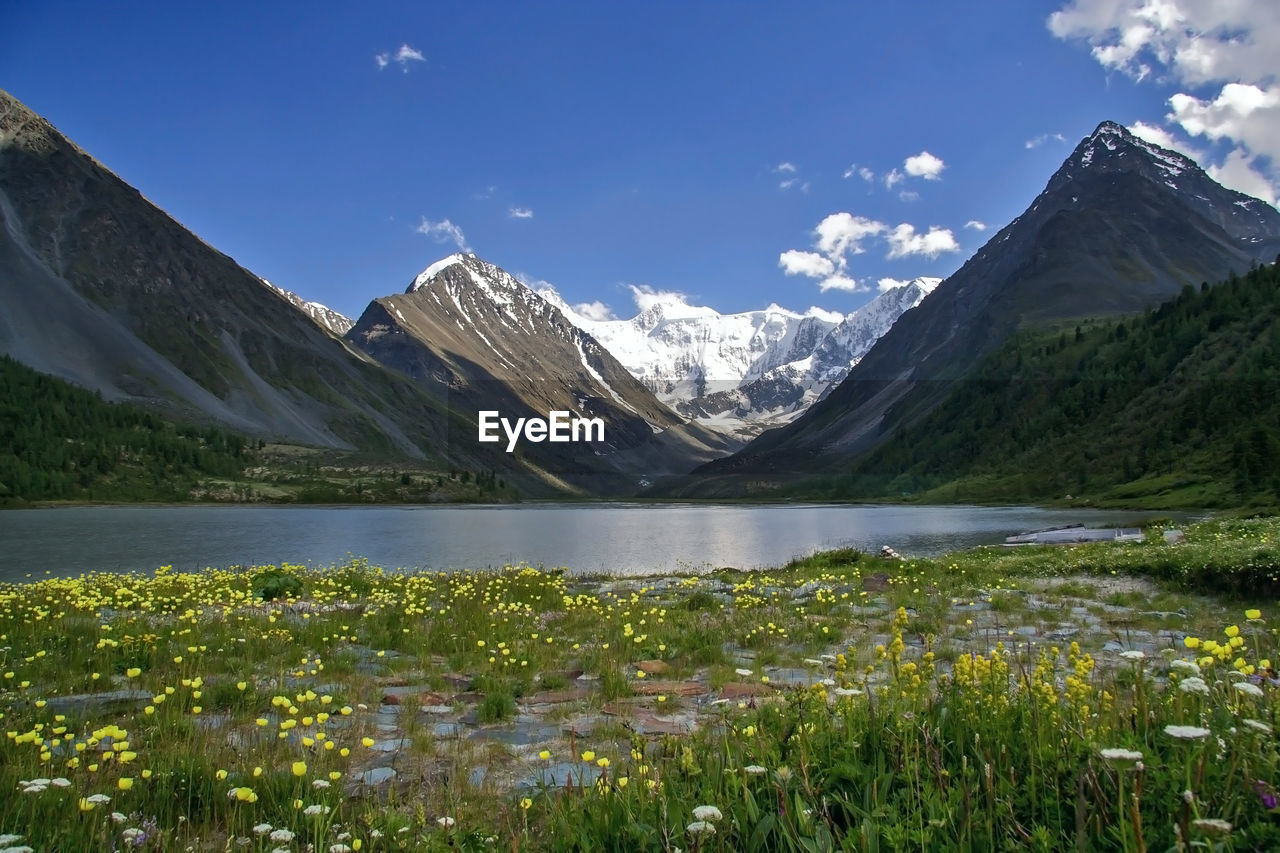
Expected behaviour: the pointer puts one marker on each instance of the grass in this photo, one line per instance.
(944, 713)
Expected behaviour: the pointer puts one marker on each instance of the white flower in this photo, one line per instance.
(9, 838)
(446, 822)
(1248, 689)
(1258, 726)
(707, 813)
(23, 849)
(117, 817)
(282, 836)
(1186, 732)
(1193, 684)
(1133, 655)
(281, 850)
(312, 811)
(755, 769)
(262, 829)
(1212, 824)
(320, 783)
(1185, 666)
(743, 672)
(1121, 755)
(700, 827)
(34, 789)
(848, 691)
(98, 799)
(60, 782)
(132, 835)
(1188, 797)
(339, 848)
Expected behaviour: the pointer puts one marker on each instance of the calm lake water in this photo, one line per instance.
(622, 539)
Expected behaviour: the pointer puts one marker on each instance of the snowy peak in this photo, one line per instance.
(322, 315)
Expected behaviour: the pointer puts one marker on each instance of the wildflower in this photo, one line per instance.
(1253, 613)
(320, 784)
(1134, 655)
(1248, 689)
(545, 755)
(755, 770)
(1212, 825)
(281, 836)
(1184, 666)
(316, 809)
(132, 672)
(589, 755)
(1186, 732)
(1191, 642)
(446, 822)
(744, 672)
(700, 827)
(1121, 755)
(299, 768)
(124, 783)
(367, 741)
(526, 804)
(710, 813)
(262, 829)
(603, 763)
(339, 848)
(1258, 726)
(1194, 684)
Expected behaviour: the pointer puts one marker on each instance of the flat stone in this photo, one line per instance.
(447, 730)
(562, 775)
(668, 688)
(651, 724)
(436, 709)
(390, 745)
(653, 667)
(584, 726)
(376, 776)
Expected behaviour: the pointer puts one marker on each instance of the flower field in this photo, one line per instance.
(1098, 697)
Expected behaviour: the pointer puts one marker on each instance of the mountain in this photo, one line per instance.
(742, 373)
(101, 288)
(469, 332)
(1175, 408)
(322, 315)
(1121, 226)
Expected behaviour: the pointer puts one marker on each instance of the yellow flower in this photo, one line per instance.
(367, 741)
(124, 783)
(1231, 630)
(334, 775)
(622, 781)
(85, 805)
(246, 795)
(146, 774)
(257, 771)
(221, 774)
(133, 672)
(1253, 613)
(603, 763)
(526, 803)
(589, 755)
(299, 768)
(241, 685)
(545, 755)
(1191, 642)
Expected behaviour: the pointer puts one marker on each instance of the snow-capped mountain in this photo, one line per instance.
(742, 372)
(479, 339)
(322, 315)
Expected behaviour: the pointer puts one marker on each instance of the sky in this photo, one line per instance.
(738, 153)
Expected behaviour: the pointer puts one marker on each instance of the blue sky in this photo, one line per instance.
(705, 148)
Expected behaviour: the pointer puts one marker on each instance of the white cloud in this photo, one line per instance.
(904, 242)
(597, 311)
(443, 231)
(842, 233)
(976, 225)
(401, 56)
(840, 281)
(1222, 51)
(908, 195)
(1238, 172)
(1037, 141)
(646, 297)
(811, 264)
(861, 171)
(893, 177)
(785, 166)
(924, 165)
(520, 213)
(890, 283)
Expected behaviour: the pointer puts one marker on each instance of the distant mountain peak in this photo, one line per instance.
(436, 268)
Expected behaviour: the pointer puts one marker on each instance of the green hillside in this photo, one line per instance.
(61, 442)
(1179, 407)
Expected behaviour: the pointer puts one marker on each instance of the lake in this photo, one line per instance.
(620, 539)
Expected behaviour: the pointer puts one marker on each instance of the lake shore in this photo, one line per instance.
(375, 710)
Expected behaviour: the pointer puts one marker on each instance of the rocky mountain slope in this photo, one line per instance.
(322, 315)
(1121, 226)
(470, 332)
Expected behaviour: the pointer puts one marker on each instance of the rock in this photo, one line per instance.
(738, 690)
(668, 688)
(556, 697)
(82, 703)
(653, 667)
(1174, 537)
